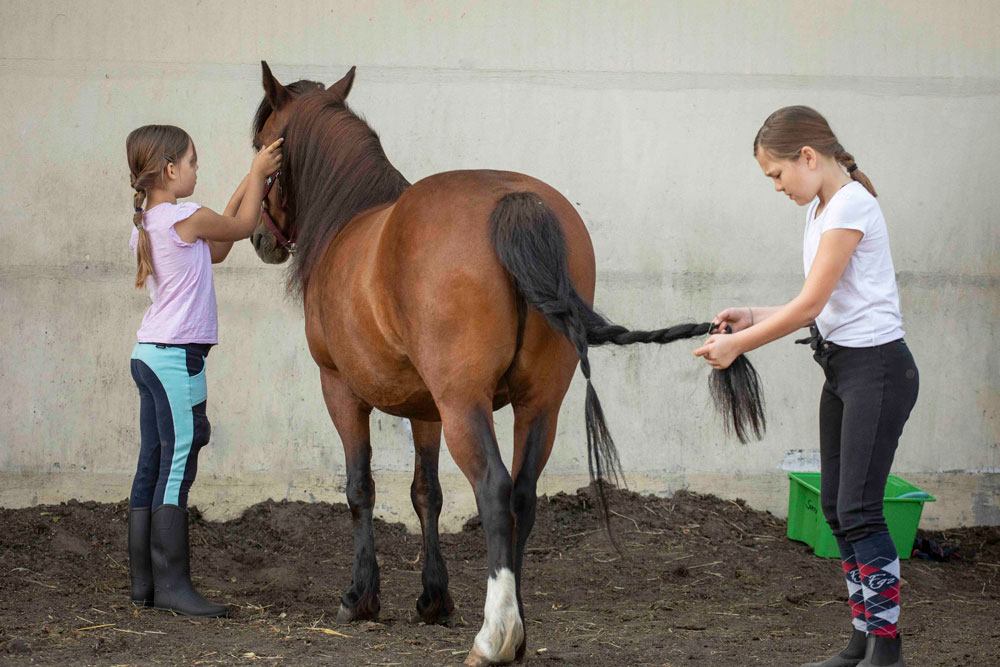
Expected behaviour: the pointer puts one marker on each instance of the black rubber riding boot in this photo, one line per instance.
(172, 566)
(139, 568)
(850, 656)
(884, 652)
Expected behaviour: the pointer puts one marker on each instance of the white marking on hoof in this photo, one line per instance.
(502, 631)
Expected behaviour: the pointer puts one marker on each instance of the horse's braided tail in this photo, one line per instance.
(529, 241)
(530, 244)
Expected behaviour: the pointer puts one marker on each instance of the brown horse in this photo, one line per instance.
(440, 301)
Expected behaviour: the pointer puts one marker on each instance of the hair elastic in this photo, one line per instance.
(852, 168)
(139, 226)
(138, 209)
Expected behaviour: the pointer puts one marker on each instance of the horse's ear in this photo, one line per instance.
(343, 87)
(276, 94)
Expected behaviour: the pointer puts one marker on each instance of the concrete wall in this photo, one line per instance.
(641, 113)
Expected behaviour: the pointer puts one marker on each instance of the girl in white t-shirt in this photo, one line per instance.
(850, 302)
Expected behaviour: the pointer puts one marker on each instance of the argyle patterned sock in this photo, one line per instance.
(879, 567)
(855, 594)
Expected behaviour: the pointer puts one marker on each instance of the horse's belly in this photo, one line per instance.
(421, 405)
(391, 388)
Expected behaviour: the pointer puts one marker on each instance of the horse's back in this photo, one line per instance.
(451, 213)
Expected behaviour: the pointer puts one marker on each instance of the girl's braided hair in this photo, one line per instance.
(149, 150)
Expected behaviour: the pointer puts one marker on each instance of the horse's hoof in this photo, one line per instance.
(431, 617)
(416, 618)
(477, 659)
(347, 615)
(446, 620)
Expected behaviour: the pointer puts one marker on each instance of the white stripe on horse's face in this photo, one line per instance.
(502, 630)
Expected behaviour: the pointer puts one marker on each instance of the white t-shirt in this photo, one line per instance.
(863, 310)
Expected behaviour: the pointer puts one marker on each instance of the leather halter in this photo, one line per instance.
(279, 236)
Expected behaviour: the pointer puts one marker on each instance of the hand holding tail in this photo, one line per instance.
(719, 351)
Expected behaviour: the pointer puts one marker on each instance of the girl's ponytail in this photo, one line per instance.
(143, 250)
(847, 161)
(149, 150)
(789, 129)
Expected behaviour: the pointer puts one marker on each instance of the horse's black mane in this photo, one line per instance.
(334, 168)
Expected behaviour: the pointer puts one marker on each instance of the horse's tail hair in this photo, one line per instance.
(530, 244)
(529, 241)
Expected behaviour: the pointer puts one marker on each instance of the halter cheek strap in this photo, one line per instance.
(284, 241)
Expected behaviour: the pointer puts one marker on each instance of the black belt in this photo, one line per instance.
(815, 340)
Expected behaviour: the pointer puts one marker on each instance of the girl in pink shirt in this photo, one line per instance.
(175, 246)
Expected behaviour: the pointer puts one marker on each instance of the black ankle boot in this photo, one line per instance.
(139, 568)
(850, 656)
(172, 566)
(884, 652)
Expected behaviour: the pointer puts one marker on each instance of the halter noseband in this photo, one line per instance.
(283, 241)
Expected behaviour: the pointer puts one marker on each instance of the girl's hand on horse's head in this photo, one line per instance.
(737, 318)
(719, 351)
(268, 160)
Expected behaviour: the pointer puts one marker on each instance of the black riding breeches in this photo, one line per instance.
(866, 400)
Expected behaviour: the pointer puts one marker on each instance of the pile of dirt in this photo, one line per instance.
(697, 580)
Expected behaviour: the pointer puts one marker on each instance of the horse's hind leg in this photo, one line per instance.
(434, 604)
(534, 433)
(351, 417)
(468, 430)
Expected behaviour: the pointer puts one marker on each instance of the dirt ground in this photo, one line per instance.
(700, 581)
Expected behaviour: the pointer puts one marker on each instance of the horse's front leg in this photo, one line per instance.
(351, 417)
(434, 604)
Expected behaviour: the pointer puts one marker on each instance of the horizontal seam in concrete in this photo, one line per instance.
(110, 270)
(868, 84)
(903, 278)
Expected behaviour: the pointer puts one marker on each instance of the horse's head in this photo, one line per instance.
(274, 237)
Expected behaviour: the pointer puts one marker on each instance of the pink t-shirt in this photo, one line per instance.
(182, 291)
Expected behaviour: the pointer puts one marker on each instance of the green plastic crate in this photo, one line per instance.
(807, 524)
